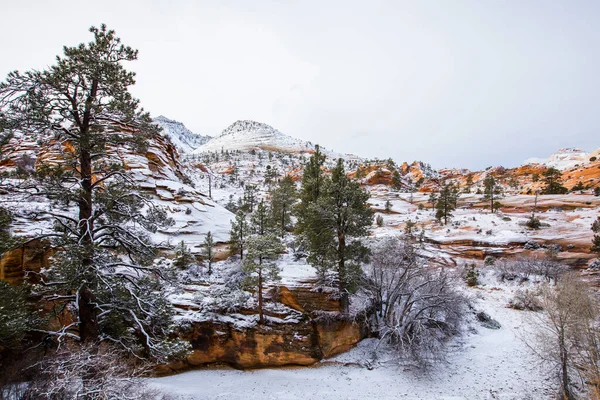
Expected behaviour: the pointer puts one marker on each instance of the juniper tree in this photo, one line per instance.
(239, 233)
(553, 181)
(446, 202)
(492, 191)
(209, 251)
(104, 270)
(338, 219)
(260, 264)
(283, 198)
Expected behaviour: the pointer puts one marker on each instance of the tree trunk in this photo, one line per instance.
(88, 324)
(344, 300)
(261, 318)
(282, 221)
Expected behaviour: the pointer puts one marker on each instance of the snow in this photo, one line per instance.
(252, 135)
(182, 138)
(564, 159)
(483, 364)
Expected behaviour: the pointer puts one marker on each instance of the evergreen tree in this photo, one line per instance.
(312, 182)
(492, 191)
(17, 315)
(553, 180)
(250, 192)
(388, 206)
(209, 251)
(396, 180)
(338, 219)
(469, 183)
(446, 202)
(360, 173)
(104, 270)
(433, 198)
(239, 233)
(283, 198)
(183, 256)
(7, 241)
(270, 174)
(261, 222)
(260, 264)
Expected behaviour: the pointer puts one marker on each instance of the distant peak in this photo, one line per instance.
(162, 118)
(248, 126)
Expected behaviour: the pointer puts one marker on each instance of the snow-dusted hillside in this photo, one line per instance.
(252, 135)
(182, 138)
(563, 159)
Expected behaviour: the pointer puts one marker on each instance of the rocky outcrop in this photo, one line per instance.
(14, 264)
(271, 345)
(303, 336)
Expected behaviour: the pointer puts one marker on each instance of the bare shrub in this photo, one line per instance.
(88, 372)
(526, 300)
(417, 309)
(521, 269)
(569, 339)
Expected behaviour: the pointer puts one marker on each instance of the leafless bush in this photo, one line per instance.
(568, 338)
(526, 300)
(417, 309)
(521, 269)
(90, 373)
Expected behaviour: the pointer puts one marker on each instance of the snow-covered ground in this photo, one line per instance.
(482, 364)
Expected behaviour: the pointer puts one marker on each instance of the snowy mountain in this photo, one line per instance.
(563, 159)
(252, 135)
(184, 140)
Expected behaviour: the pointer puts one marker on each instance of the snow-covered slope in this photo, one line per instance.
(249, 135)
(184, 140)
(563, 159)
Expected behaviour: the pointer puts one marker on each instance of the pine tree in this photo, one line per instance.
(83, 100)
(433, 198)
(260, 264)
(17, 315)
(492, 191)
(260, 221)
(183, 256)
(283, 198)
(338, 219)
(396, 180)
(250, 192)
(553, 180)
(270, 174)
(7, 241)
(209, 251)
(239, 233)
(446, 202)
(469, 183)
(388, 206)
(312, 182)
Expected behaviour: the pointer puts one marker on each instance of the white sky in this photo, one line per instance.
(454, 83)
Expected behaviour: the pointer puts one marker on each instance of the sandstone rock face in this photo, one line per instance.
(282, 341)
(14, 264)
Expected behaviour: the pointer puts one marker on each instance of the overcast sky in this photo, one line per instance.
(450, 82)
